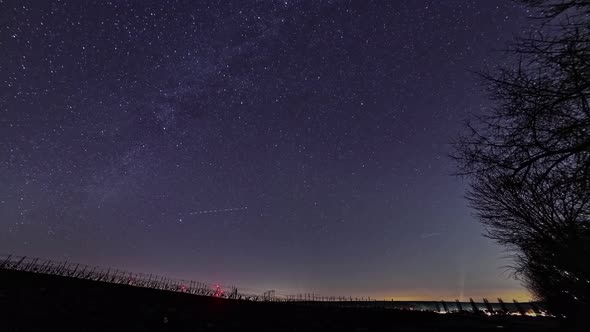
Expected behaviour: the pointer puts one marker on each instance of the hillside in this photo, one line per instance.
(39, 302)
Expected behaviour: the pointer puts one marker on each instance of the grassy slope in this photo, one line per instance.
(34, 302)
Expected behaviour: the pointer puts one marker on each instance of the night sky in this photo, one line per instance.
(291, 145)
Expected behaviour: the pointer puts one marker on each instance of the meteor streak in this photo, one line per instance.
(219, 210)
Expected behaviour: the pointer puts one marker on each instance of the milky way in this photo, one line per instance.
(329, 120)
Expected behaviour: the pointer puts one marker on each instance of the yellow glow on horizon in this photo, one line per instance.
(520, 295)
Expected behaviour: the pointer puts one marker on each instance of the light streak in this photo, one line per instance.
(426, 235)
(219, 210)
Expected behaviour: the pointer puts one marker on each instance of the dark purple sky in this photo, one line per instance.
(324, 126)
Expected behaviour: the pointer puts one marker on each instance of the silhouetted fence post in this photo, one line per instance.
(503, 306)
(6, 261)
(473, 306)
(488, 306)
(519, 308)
(535, 308)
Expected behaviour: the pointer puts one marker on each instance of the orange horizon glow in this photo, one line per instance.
(429, 295)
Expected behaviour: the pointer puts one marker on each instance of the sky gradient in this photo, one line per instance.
(299, 146)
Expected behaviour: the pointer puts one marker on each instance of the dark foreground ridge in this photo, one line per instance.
(40, 302)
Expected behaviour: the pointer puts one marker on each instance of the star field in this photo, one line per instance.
(316, 132)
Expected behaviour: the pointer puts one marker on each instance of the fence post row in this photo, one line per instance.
(82, 271)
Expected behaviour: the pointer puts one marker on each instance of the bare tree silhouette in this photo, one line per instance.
(528, 158)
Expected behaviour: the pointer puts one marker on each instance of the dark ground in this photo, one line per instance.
(35, 302)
